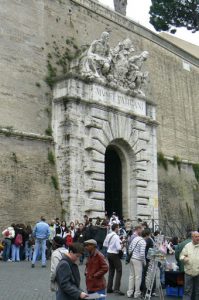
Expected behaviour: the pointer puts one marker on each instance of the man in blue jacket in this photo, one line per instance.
(41, 233)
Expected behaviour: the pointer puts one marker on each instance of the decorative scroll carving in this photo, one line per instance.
(117, 67)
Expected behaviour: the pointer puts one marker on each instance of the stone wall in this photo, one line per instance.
(178, 198)
(28, 30)
(27, 191)
(27, 38)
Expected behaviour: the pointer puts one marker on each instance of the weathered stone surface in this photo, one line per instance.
(111, 128)
(26, 187)
(27, 39)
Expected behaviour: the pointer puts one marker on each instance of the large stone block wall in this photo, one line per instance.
(28, 29)
(27, 38)
(26, 187)
(178, 198)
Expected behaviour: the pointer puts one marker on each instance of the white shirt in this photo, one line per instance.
(112, 242)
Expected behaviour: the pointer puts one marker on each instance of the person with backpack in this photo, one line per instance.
(17, 242)
(58, 253)
(41, 233)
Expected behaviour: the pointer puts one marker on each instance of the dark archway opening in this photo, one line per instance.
(113, 182)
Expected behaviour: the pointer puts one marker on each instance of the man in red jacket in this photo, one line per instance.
(96, 268)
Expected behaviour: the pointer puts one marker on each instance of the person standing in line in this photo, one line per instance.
(68, 276)
(136, 232)
(8, 235)
(17, 243)
(179, 249)
(58, 252)
(113, 244)
(138, 260)
(80, 237)
(190, 258)
(57, 227)
(41, 233)
(96, 268)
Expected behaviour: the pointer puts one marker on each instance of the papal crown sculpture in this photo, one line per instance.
(116, 67)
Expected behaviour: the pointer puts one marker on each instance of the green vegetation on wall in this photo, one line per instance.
(51, 157)
(49, 131)
(162, 161)
(196, 171)
(59, 59)
(54, 181)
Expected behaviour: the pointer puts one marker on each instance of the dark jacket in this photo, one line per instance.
(80, 236)
(96, 267)
(68, 280)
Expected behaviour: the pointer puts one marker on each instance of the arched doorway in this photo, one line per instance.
(113, 182)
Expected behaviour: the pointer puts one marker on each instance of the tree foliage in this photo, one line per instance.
(165, 15)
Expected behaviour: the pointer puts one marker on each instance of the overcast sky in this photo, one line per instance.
(137, 10)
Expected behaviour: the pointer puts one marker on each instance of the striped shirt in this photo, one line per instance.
(138, 246)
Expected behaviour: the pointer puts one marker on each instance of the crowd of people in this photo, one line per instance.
(104, 242)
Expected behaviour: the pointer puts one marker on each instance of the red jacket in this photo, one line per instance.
(69, 240)
(96, 267)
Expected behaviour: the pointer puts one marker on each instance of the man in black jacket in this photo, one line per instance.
(68, 276)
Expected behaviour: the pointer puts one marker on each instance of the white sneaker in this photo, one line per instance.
(129, 294)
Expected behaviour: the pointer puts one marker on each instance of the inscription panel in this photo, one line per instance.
(99, 94)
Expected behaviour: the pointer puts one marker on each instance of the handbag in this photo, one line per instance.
(120, 254)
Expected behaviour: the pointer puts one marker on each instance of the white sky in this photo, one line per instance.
(137, 10)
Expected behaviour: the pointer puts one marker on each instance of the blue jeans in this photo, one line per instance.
(15, 253)
(6, 249)
(28, 251)
(40, 245)
(99, 292)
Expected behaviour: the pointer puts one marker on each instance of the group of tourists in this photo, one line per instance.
(104, 242)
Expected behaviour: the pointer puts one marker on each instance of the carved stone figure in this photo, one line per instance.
(96, 61)
(117, 67)
(135, 77)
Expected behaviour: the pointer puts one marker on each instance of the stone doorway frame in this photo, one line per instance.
(129, 193)
(88, 117)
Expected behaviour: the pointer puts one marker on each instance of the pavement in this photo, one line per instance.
(18, 281)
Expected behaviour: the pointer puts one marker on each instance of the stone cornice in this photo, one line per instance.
(26, 135)
(130, 25)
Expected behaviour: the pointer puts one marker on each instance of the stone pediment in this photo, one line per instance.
(116, 67)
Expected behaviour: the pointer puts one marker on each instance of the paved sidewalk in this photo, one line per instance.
(18, 281)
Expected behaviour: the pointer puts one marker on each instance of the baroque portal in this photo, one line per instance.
(100, 112)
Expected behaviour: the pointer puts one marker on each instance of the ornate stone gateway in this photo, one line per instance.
(100, 112)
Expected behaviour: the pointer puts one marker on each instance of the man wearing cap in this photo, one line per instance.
(58, 253)
(96, 268)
